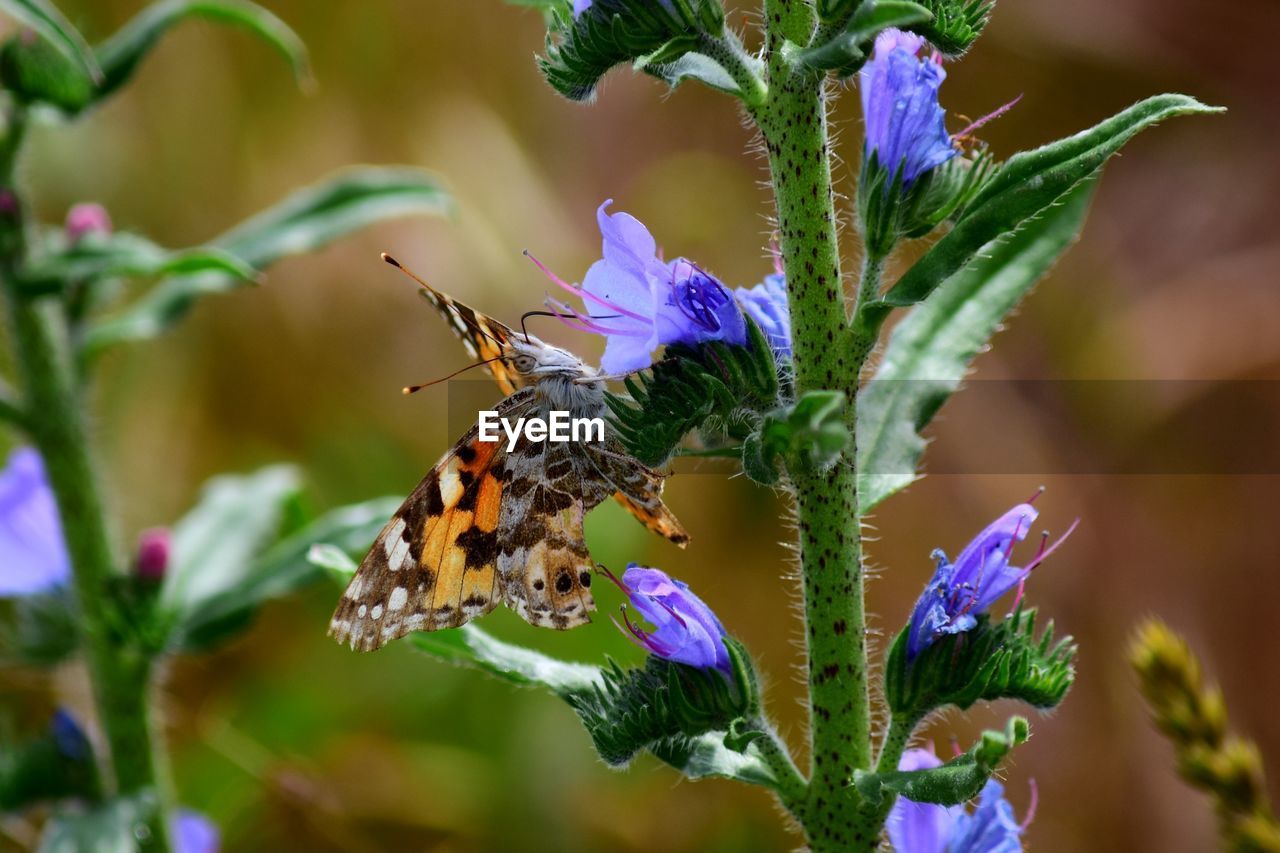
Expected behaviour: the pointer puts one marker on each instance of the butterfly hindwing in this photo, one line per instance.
(543, 562)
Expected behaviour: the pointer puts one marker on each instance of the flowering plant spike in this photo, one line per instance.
(771, 374)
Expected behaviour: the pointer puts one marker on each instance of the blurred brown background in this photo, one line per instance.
(286, 739)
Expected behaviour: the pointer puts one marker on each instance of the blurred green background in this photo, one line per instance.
(287, 740)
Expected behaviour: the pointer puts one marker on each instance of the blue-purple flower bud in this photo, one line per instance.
(686, 631)
(905, 127)
(959, 592)
(766, 304)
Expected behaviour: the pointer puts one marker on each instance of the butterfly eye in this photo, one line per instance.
(524, 363)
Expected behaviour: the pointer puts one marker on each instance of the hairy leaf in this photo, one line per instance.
(125, 255)
(932, 348)
(955, 25)
(310, 218)
(955, 782)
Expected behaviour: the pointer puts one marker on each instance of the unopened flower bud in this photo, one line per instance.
(85, 219)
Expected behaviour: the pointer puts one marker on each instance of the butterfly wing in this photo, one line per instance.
(434, 565)
(484, 337)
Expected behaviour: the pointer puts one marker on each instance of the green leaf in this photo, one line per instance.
(994, 660)
(612, 32)
(1023, 187)
(44, 18)
(121, 54)
(848, 49)
(310, 218)
(215, 544)
(124, 255)
(45, 630)
(810, 432)
(932, 348)
(959, 780)
(281, 569)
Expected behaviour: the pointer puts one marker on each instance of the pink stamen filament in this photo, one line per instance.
(585, 322)
(991, 116)
(583, 294)
(1031, 807)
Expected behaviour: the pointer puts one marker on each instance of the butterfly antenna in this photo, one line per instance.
(413, 389)
(393, 262)
(436, 298)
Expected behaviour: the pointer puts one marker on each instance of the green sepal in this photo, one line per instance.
(695, 387)
(955, 25)
(663, 702)
(40, 770)
(847, 50)
(993, 660)
(889, 212)
(929, 352)
(613, 32)
(35, 71)
(1023, 187)
(958, 781)
(811, 432)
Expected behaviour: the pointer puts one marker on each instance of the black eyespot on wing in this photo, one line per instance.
(585, 579)
(564, 583)
(539, 585)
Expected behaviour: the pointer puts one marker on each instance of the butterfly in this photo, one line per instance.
(490, 525)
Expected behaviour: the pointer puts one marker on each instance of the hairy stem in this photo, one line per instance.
(120, 675)
(793, 122)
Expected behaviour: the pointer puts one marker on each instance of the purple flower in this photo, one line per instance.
(904, 122)
(929, 828)
(85, 219)
(194, 833)
(961, 591)
(687, 631)
(766, 303)
(580, 6)
(33, 556)
(639, 303)
(154, 548)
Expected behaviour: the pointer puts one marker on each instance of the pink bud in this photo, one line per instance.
(154, 546)
(8, 202)
(87, 218)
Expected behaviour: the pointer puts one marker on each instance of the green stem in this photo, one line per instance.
(792, 788)
(740, 66)
(793, 122)
(891, 749)
(120, 674)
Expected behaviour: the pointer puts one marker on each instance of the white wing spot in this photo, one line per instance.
(356, 587)
(376, 612)
(364, 608)
(399, 598)
(450, 487)
(397, 557)
(391, 541)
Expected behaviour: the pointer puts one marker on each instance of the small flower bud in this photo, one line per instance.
(154, 547)
(85, 219)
